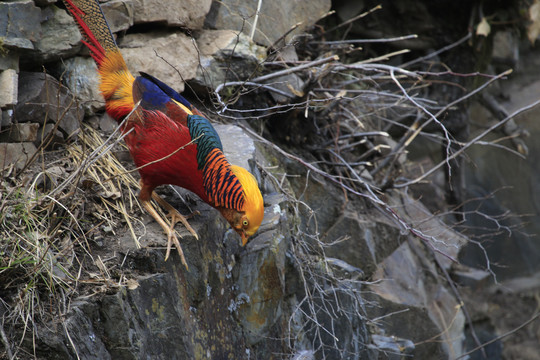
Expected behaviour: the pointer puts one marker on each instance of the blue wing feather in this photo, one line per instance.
(170, 92)
(150, 95)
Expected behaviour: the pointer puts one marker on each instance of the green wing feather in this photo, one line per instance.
(205, 136)
(220, 183)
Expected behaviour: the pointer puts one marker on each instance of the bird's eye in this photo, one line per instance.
(245, 223)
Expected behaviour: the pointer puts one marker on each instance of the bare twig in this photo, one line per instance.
(508, 333)
(370, 195)
(469, 144)
(6, 343)
(353, 19)
(440, 51)
(254, 26)
(362, 41)
(271, 76)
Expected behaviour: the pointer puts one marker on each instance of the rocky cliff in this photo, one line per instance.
(380, 238)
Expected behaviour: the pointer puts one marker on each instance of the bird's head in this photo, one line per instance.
(247, 221)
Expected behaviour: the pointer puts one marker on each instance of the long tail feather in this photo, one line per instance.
(93, 26)
(116, 80)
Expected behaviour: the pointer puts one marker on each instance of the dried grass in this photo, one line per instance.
(45, 237)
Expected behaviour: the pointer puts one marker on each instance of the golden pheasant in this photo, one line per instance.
(170, 141)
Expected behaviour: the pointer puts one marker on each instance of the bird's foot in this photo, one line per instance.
(175, 217)
(168, 229)
(171, 238)
(193, 214)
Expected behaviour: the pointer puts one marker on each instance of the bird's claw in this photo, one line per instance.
(171, 238)
(193, 214)
(176, 217)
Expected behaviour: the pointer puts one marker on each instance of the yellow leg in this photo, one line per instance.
(169, 230)
(174, 214)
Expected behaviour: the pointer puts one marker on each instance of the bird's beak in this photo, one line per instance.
(244, 238)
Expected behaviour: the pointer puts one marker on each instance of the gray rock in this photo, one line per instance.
(311, 282)
(470, 277)
(393, 348)
(503, 187)
(224, 44)
(153, 320)
(172, 313)
(103, 122)
(402, 285)
(349, 9)
(446, 242)
(172, 58)
(237, 145)
(8, 59)
(361, 241)
(8, 88)
(56, 139)
(26, 132)
(226, 55)
(16, 154)
(323, 200)
(119, 14)
(5, 117)
(22, 25)
(43, 3)
(271, 23)
(261, 285)
(190, 13)
(405, 280)
(84, 340)
(290, 86)
(304, 355)
(506, 49)
(81, 76)
(60, 36)
(42, 99)
(518, 285)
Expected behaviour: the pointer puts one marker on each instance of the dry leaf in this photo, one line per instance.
(132, 284)
(295, 92)
(113, 195)
(533, 30)
(483, 28)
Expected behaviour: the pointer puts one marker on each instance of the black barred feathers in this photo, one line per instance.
(206, 137)
(222, 186)
(93, 26)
